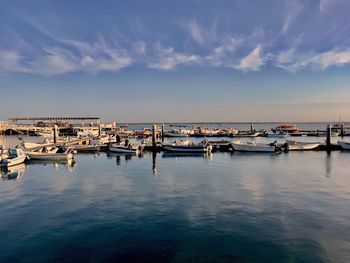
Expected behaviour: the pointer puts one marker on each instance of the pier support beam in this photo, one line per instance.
(55, 134)
(99, 130)
(154, 137)
(328, 140)
(342, 129)
(163, 132)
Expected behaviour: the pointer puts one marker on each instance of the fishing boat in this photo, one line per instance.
(125, 148)
(245, 135)
(14, 156)
(301, 146)
(254, 147)
(277, 134)
(178, 133)
(202, 147)
(345, 145)
(288, 128)
(51, 153)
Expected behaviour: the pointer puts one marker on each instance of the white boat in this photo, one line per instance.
(253, 147)
(51, 153)
(345, 145)
(301, 146)
(246, 134)
(87, 147)
(277, 134)
(14, 157)
(122, 148)
(186, 147)
(178, 133)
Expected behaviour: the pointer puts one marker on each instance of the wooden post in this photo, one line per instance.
(163, 132)
(328, 141)
(251, 127)
(342, 129)
(55, 134)
(154, 137)
(99, 130)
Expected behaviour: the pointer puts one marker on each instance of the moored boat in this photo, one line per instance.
(125, 148)
(277, 134)
(345, 145)
(301, 146)
(13, 157)
(51, 153)
(254, 147)
(245, 135)
(288, 128)
(202, 147)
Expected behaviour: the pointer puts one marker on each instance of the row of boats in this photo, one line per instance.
(48, 151)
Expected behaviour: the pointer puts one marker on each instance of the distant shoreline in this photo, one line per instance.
(250, 122)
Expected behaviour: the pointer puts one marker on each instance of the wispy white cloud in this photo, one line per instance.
(168, 59)
(196, 33)
(330, 58)
(294, 8)
(293, 61)
(252, 62)
(11, 61)
(327, 5)
(76, 56)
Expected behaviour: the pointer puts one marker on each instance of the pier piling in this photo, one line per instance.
(328, 140)
(342, 129)
(154, 137)
(163, 132)
(55, 134)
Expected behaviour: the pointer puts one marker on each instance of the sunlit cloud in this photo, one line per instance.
(292, 61)
(252, 62)
(168, 59)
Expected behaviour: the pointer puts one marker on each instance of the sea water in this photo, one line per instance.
(224, 207)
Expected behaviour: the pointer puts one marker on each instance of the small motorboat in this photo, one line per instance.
(277, 134)
(245, 135)
(14, 156)
(187, 147)
(345, 145)
(51, 153)
(301, 146)
(254, 147)
(125, 147)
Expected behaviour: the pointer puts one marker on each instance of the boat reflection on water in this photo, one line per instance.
(70, 165)
(126, 156)
(13, 173)
(180, 155)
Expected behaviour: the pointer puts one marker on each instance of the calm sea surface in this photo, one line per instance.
(289, 207)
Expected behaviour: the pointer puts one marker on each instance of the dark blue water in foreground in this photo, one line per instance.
(291, 207)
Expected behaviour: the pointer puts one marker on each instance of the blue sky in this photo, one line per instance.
(134, 61)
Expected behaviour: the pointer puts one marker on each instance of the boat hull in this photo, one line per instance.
(50, 156)
(253, 148)
(13, 162)
(344, 145)
(123, 149)
(301, 146)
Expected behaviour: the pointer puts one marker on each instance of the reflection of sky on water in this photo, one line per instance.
(295, 204)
